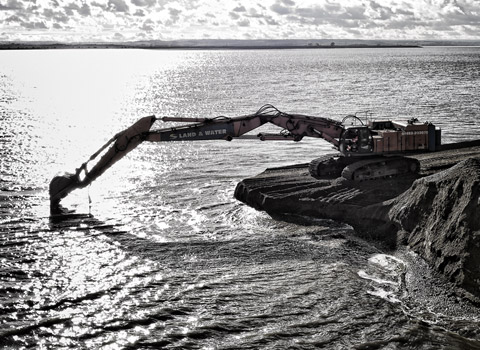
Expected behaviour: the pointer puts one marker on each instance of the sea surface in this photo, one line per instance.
(157, 253)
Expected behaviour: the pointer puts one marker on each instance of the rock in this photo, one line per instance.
(439, 218)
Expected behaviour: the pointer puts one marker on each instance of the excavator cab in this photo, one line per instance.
(356, 141)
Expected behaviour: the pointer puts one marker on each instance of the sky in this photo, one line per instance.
(132, 20)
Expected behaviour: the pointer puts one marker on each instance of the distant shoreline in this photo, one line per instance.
(57, 46)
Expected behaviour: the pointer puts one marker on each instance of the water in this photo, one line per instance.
(164, 256)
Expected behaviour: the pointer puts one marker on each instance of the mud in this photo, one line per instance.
(434, 213)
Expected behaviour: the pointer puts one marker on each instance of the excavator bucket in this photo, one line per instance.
(60, 186)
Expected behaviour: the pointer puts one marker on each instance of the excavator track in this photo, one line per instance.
(380, 167)
(330, 165)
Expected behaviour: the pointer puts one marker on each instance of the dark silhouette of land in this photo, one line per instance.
(218, 44)
(184, 46)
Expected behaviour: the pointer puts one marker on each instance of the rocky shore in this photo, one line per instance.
(435, 213)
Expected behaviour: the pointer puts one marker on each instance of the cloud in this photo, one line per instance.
(272, 22)
(148, 25)
(244, 23)
(144, 3)
(99, 5)
(57, 16)
(381, 12)
(84, 10)
(174, 14)
(386, 18)
(11, 5)
(331, 13)
(234, 15)
(280, 9)
(14, 19)
(34, 25)
(101, 19)
(118, 36)
(254, 13)
(458, 13)
(117, 6)
(240, 9)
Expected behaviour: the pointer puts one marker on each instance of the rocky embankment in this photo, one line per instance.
(436, 213)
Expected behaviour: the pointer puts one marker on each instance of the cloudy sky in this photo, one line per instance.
(118, 20)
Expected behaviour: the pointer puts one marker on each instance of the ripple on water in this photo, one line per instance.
(167, 258)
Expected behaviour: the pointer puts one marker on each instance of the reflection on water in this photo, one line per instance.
(163, 256)
(79, 282)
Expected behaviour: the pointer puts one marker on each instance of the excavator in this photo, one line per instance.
(365, 151)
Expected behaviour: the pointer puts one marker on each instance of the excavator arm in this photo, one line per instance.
(295, 127)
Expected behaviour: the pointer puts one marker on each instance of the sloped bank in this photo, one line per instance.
(436, 214)
(439, 218)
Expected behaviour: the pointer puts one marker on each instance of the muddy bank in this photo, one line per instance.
(436, 213)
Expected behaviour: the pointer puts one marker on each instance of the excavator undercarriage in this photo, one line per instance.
(365, 152)
(351, 168)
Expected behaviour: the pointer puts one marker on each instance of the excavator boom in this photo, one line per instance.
(295, 128)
